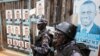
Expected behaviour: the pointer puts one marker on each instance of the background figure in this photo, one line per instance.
(87, 16)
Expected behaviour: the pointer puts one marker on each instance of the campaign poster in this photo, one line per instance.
(9, 31)
(21, 45)
(9, 42)
(32, 14)
(27, 46)
(88, 31)
(26, 33)
(17, 31)
(25, 15)
(9, 16)
(15, 43)
(40, 9)
(17, 16)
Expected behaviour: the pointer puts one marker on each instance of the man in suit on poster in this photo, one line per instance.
(8, 15)
(26, 32)
(17, 15)
(9, 30)
(16, 31)
(26, 15)
(87, 15)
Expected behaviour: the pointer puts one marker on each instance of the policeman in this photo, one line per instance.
(64, 39)
(42, 43)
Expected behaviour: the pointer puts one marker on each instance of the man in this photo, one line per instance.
(40, 11)
(87, 15)
(26, 15)
(17, 15)
(8, 15)
(43, 40)
(26, 32)
(16, 31)
(9, 30)
(64, 40)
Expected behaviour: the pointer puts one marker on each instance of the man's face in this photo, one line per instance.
(59, 38)
(8, 15)
(40, 9)
(16, 30)
(9, 29)
(26, 14)
(17, 15)
(41, 26)
(26, 31)
(87, 14)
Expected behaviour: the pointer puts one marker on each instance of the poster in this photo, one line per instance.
(25, 14)
(9, 31)
(26, 33)
(9, 42)
(17, 16)
(27, 46)
(40, 9)
(9, 16)
(17, 32)
(88, 30)
(15, 43)
(21, 44)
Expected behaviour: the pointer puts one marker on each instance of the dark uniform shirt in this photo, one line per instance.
(42, 44)
(67, 50)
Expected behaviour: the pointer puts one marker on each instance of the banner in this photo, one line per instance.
(88, 31)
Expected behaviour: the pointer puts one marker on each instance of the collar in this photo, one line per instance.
(87, 28)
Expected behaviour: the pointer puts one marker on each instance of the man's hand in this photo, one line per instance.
(32, 45)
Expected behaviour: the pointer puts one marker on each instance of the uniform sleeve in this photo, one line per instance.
(45, 45)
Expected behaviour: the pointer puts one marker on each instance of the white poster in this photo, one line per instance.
(9, 31)
(88, 31)
(25, 14)
(8, 14)
(17, 16)
(21, 45)
(17, 31)
(9, 42)
(26, 32)
(40, 8)
(15, 43)
(27, 46)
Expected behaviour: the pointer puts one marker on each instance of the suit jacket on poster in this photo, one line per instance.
(94, 30)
